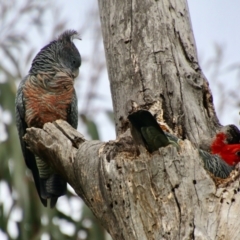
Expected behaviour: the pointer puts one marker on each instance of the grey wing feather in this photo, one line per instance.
(72, 118)
(21, 127)
(215, 165)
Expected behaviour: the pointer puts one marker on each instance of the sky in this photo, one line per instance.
(216, 22)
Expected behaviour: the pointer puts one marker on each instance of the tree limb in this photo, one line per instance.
(164, 195)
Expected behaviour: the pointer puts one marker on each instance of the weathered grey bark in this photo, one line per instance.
(152, 61)
(151, 58)
(166, 195)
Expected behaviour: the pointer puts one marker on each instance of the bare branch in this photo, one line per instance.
(165, 195)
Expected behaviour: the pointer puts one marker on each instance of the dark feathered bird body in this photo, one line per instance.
(146, 131)
(45, 95)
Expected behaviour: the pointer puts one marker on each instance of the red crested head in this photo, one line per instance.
(230, 153)
(218, 142)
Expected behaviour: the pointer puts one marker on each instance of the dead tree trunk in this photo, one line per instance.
(152, 64)
(151, 58)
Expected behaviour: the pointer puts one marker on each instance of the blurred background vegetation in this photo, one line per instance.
(25, 27)
(23, 33)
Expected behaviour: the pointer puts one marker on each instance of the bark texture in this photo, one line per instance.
(165, 195)
(152, 64)
(152, 60)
